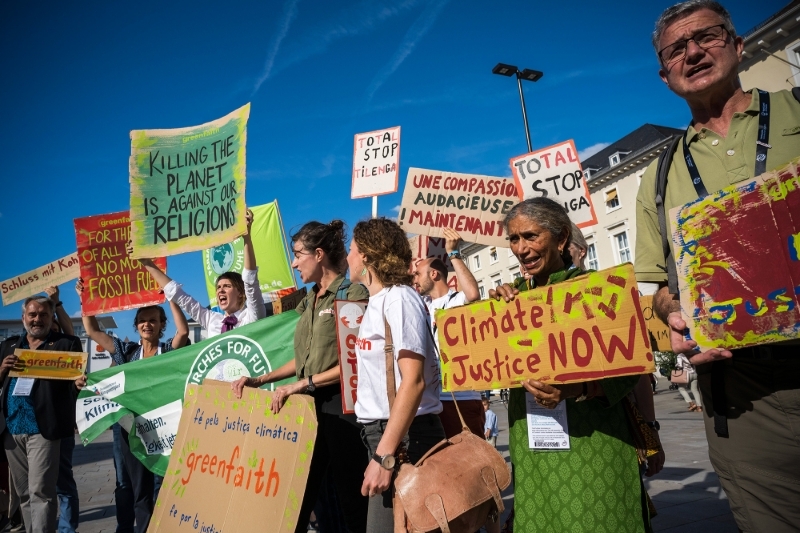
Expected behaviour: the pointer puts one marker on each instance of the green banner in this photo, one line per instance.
(146, 396)
(274, 272)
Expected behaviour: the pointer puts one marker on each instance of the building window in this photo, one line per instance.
(516, 273)
(477, 261)
(616, 158)
(492, 255)
(591, 258)
(497, 281)
(612, 200)
(482, 292)
(79, 331)
(623, 249)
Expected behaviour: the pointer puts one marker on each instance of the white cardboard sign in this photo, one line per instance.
(376, 162)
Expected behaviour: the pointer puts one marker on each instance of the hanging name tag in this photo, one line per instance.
(547, 428)
(23, 387)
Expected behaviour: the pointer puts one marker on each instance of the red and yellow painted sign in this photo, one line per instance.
(582, 329)
(49, 364)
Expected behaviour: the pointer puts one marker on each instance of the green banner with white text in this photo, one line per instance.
(146, 396)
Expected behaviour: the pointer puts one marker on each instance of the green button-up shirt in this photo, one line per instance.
(722, 161)
(315, 348)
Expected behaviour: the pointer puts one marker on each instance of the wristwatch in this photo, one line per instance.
(311, 386)
(455, 254)
(386, 461)
(59, 304)
(655, 425)
(584, 393)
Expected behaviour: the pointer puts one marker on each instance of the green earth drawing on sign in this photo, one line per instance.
(222, 258)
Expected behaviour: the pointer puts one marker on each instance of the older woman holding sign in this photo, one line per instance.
(320, 258)
(238, 295)
(594, 484)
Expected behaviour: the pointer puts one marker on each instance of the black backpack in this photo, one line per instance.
(662, 170)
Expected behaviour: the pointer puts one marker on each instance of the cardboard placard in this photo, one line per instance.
(112, 281)
(37, 280)
(348, 322)
(289, 301)
(658, 330)
(187, 186)
(46, 364)
(235, 465)
(472, 205)
(738, 258)
(376, 162)
(555, 172)
(582, 329)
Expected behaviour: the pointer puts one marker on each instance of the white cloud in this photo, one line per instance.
(591, 150)
(396, 209)
(289, 13)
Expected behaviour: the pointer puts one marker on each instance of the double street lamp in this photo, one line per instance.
(531, 75)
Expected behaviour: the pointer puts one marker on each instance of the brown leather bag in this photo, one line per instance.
(455, 487)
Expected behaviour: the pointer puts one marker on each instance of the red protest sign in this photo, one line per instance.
(112, 281)
(348, 322)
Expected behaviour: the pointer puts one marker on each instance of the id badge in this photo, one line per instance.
(547, 428)
(23, 387)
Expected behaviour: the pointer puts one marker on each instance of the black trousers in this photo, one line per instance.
(338, 447)
(143, 484)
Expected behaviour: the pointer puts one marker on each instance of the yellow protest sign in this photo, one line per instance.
(187, 186)
(581, 329)
(37, 280)
(234, 465)
(49, 364)
(659, 331)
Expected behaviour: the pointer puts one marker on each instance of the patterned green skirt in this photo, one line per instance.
(595, 486)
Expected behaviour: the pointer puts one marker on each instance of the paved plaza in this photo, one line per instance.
(686, 493)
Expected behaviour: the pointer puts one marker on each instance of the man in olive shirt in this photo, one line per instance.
(753, 416)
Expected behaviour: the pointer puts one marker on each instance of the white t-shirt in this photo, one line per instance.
(448, 301)
(408, 321)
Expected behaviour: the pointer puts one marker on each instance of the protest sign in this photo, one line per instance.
(46, 364)
(376, 162)
(37, 280)
(348, 322)
(187, 186)
(658, 330)
(148, 394)
(269, 245)
(240, 467)
(423, 247)
(472, 205)
(581, 329)
(289, 301)
(112, 281)
(738, 259)
(555, 172)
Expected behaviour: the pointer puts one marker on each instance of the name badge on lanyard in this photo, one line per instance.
(23, 387)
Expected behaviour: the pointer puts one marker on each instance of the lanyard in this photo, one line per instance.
(762, 143)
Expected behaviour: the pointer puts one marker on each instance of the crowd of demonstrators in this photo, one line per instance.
(136, 486)
(752, 434)
(320, 258)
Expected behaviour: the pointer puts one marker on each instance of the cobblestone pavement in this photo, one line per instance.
(686, 493)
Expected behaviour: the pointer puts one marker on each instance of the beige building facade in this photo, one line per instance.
(771, 59)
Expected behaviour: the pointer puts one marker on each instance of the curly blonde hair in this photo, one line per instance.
(386, 250)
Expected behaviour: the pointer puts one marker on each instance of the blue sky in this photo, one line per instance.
(78, 76)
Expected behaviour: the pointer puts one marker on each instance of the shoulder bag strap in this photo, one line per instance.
(388, 349)
(796, 93)
(662, 170)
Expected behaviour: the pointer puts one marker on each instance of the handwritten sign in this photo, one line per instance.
(555, 172)
(112, 281)
(235, 466)
(472, 205)
(583, 329)
(738, 259)
(376, 162)
(187, 186)
(49, 364)
(348, 322)
(658, 330)
(37, 280)
(289, 301)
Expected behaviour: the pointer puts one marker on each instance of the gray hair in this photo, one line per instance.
(41, 300)
(684, 9)
(578, 238)
(546, 213)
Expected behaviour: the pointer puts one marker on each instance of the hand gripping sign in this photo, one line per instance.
(555, 172)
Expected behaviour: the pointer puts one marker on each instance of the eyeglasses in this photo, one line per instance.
(705, 39)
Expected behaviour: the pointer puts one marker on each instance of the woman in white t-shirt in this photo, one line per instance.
(379, 258)
(238, 295)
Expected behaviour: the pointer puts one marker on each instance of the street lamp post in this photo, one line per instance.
(527, 74)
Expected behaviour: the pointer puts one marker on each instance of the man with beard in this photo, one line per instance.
(751, 395)
(36, 415)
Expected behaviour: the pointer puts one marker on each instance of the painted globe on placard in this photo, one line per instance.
(222, 258)
(228, 370)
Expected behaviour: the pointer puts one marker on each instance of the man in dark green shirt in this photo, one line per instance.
(752, 395)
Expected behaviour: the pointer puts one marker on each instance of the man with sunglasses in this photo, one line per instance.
(752, 395)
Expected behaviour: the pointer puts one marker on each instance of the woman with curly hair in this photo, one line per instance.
(379, 258)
